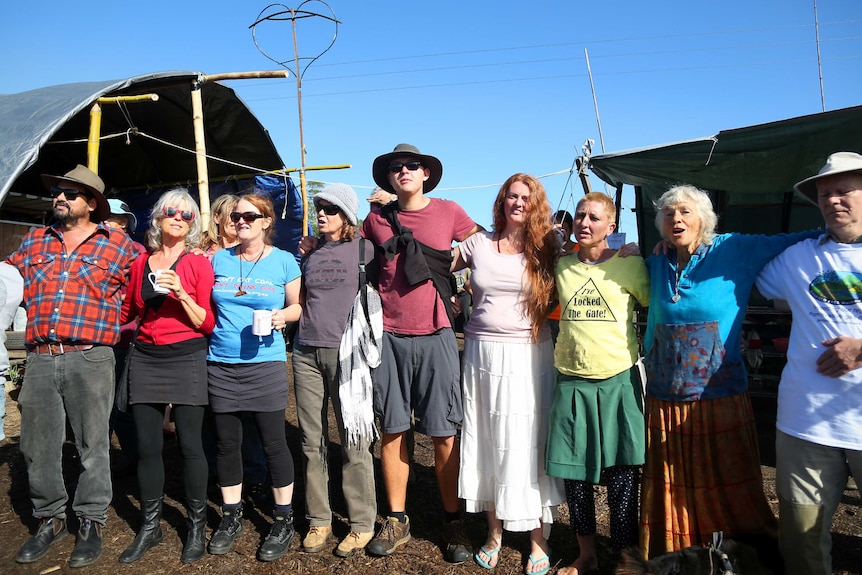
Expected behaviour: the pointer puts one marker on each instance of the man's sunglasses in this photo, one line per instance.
(412, 165)
(329, 210)
(186, 215)
(71, 195)
(248, 217)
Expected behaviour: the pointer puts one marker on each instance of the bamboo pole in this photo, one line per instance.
(245, 75)
(94, 137)
(201, 153)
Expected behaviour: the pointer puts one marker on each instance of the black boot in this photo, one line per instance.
(88, 547)
(280, 536)
(150, 534)
(196, 541)
(51, 530)
(228, 530)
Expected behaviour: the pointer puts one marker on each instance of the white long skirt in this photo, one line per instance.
(507, 393)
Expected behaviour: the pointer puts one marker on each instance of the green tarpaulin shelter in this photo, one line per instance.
(749, 172)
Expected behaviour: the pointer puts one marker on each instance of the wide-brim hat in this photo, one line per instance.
(121, 208)
(83, 176)
(837, 163)
(380, 167)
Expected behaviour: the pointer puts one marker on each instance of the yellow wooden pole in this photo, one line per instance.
(93, 138)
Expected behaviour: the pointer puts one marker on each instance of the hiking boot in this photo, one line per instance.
(315, 541)
(354, 541)
(392, 535)
(51, 530)
(228, 530)
(88, 548)
(458, 547)
(279, 539)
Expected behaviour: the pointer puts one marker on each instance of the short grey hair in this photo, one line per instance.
(174, 198)
(702, 206)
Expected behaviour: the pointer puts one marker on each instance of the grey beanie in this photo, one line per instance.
(340, 195)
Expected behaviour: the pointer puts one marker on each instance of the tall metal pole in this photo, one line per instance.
(819, 64)
(595, 101)
(302, 182)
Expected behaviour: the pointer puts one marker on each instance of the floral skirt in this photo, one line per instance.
(702, 474)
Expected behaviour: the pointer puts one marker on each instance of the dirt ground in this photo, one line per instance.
(421, 556)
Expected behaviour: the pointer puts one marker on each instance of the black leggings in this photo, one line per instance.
(151, 469)
(622, 482)
(270, 425)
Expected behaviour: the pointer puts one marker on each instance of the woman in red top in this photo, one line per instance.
(170, 291)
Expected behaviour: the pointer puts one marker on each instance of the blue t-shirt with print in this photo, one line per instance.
(263, 284)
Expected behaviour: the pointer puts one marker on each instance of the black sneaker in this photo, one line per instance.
(51, 530)
(279, 539)
(392, 535)
(458, 547)
(228, 530)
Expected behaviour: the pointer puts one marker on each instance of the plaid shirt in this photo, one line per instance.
(74, 298)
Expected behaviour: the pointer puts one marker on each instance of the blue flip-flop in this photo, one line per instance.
(533, 561)
(490, 554)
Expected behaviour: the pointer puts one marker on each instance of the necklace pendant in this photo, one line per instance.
(674, 298)
(240, 292)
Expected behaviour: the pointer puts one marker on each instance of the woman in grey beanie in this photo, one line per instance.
(330, 282)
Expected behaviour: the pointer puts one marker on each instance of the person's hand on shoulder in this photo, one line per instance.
(307, 244)
(381, 197)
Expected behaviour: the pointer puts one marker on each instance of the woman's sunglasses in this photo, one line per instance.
(186, 215)
(71, 195)
(248, 217)
(329, 210)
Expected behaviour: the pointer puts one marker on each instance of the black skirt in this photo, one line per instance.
(257, 387)
(174, 373)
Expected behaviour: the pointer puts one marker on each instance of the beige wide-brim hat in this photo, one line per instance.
(83, 176)
(380, 167)
(837, 163)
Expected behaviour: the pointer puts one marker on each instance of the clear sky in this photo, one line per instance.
(491, 87)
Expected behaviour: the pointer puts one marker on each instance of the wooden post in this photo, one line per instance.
(201, 153)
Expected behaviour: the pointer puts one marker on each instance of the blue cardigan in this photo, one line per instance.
(692, 345)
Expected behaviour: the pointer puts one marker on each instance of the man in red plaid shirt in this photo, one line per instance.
(73, 271)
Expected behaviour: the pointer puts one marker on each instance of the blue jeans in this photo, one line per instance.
(78, 386)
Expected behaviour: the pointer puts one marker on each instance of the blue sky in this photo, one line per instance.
(489, 87)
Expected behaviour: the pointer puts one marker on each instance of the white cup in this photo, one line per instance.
(261, 323)
(153, 276)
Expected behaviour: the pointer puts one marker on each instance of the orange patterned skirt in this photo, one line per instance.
(702, 474)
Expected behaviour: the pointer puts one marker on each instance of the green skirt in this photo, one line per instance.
(594, 424)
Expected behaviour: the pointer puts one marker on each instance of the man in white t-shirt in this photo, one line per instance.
(819, 437)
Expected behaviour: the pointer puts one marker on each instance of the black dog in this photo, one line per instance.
(727, 557)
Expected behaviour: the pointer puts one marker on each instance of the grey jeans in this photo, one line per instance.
(315, 377)
(78, 386)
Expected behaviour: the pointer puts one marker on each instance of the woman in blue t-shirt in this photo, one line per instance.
(248, 372)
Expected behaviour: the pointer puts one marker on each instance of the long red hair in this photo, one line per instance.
(540, 249)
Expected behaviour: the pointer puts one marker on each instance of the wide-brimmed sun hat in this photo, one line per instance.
(837, 163)
(380, 167)
(121, 208)
(83, 176)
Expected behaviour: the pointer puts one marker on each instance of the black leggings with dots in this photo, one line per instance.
(622, 482)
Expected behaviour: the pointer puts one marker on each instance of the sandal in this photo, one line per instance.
(490, 554)
(531, 561)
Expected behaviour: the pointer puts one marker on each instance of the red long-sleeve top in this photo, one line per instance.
(171, 324)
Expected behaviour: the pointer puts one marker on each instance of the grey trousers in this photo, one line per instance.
(810, 480)
(78, 385)
(315, 377)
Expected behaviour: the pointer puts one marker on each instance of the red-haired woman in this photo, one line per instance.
(508, 373)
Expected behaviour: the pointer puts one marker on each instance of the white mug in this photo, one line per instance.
(153, 276)
(261, 323)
